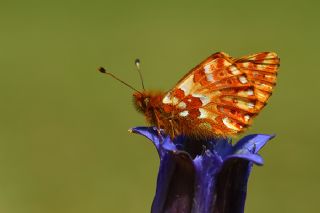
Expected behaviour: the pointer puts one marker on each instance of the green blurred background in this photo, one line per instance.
(64, 145)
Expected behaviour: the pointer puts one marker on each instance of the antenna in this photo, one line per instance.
(104, 71)
(137, 63)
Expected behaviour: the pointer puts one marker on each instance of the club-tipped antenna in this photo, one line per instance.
(137, 63)
(104, 71)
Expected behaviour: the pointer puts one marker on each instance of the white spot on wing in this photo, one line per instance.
(268, 76)
(204, 99)
(250, 92)
(226, 63)
(209, 77)
(234, 70)
(203, 113)
(246, 117)
(186, 85)
(184, 113)
(245, 64)
(243, 79)
(261, 66)
(207, 69)
(175, 101)
(182, 105)
(227, 122)
(166, 99)
(250, 105)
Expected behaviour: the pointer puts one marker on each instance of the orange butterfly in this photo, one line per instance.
(219, 97)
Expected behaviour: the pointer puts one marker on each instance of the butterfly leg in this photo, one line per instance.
(172, 129)
(159, 129)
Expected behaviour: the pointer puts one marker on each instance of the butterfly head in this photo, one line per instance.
(141, 101)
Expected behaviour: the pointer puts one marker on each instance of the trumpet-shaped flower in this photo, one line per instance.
(208, 176)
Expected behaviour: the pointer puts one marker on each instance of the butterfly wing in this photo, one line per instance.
(222, 94)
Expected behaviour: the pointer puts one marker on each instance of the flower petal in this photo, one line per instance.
(232, 180)
(251, 143)
(255, 158)
(175, 184)
(222, 146)
(231, 185)
(160, 141)
(207, 167)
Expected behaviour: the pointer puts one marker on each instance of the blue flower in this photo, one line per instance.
(203, 176)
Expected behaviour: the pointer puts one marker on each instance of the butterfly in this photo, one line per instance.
(217, 98)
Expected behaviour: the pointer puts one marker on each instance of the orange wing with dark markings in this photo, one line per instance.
(222, 94)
